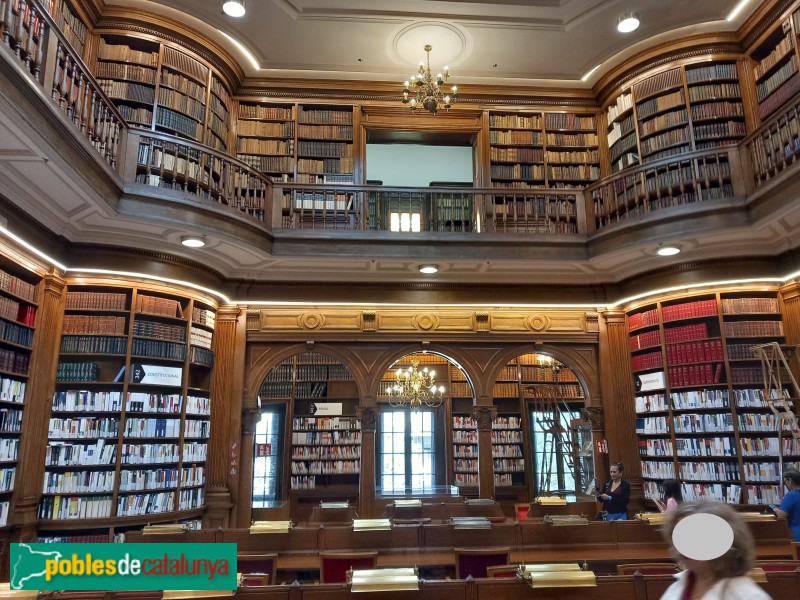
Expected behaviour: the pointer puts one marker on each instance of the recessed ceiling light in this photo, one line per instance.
(428, 269)
(193, 241)
(627, 23)
(234, 8)
(668, 250)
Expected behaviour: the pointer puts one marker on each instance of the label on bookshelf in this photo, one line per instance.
(649, 381)
(156, 374)
(321, 409)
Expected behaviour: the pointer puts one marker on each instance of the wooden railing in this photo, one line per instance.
(689, 178)
(173, 163)
(31, 33)
(775, 146)
(428, 209)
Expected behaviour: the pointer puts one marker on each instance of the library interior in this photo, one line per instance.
(285, 280)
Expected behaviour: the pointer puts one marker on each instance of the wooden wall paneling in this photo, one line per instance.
(38, 405)
(790, 300)
(617, 399)
(225, 451)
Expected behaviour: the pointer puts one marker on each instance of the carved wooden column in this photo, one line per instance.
(38, 406)
(366, 494)
(224, 448)
(484, 415)
(618, 391)
(790, 295)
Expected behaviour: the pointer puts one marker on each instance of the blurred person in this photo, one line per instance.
(616, 494)
(722, 577)
(673, 496)
(790, 505)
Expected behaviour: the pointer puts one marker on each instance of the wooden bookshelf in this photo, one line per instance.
(571, 150)
(621, 136)
(701, 413)
(324, 144)
(265, 138)
(164, 88)
(129, 426)
(775, 68)
(69, 21)
(18, 295)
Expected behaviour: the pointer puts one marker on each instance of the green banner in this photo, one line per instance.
(123, 566)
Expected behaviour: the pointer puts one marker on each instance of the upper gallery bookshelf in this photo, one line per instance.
(145, 77)
(675, 111)
(701, 412)
(324, 460)
(543, 150)
(129, 427)
(775, 67)
(18, 307)
(69, 22)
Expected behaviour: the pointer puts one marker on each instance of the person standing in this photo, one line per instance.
(616, 494)
(790, 505)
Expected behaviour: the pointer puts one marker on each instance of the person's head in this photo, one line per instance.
(739, 557)
(672, 489)
(616, 471)
(792, 479)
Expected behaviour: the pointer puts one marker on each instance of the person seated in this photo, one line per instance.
(673, 496)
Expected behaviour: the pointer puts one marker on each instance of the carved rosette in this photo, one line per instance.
(368, 417)
(311, 320)
(537, 322)
(484, 415)
(425, 322)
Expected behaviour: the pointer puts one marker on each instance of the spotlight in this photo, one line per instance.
(627, 23)
(428, 269)
(193, 241)
(668, 250)
(233, 8)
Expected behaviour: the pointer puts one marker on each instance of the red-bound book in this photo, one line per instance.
(718, 373)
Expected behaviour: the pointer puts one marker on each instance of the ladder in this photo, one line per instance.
(778, 379)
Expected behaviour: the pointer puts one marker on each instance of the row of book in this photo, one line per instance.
(74, 507)
(571, 139)
(201, 356)
(157, 403)
(61, 454)
(658, 469)
(178, 122)
(692, 375)
(710, 72)
(204, 317)
(554, 120)
(508, 465)
(517, 137)
(7, 476)
(196, 428)
(776, 79)
(143, 504)
(271, 164)
(160, 331)
(151, 479)
(14, 311)
(87, 400)
(326, 452)
(651, 360)
(643, 319)
(460, 422)
(622, 104)
(573, 172)
(126, 90)
(314, 373)
(325, 132)
(268, 147)
(258, 111)
(663, 121)
(706, 423)
(657, 83)
(758, 422)
(710, 446)
(158, 349)
(515, 121)
(93, 324)
(266, 129)
(16, 334)
(318, 467)
(83, 427)
(118, 70)
(665, 140)
(96, 301)
(9, 449)
(757, 397)
(465, 436)
(753, 329)
(14, 362)
(693, 352)
(73, 482)
(654, 105)
(517, 171)
(648, 339)
(714, 110)
(94, 344)
(181, 84)
(152, 428)
(174, 59)
(326, 438)
(10, 420)
(709, 471)
(324, 116)
(189, 499)
(325, 423)
(728, 129)
(123, 53)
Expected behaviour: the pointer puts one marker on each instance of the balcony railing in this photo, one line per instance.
(33, 40)
(429, 209)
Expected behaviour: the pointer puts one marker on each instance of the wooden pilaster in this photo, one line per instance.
(484, 415)
(790, 297)
(38, 406)
(227, 389)
(366, 494)
(618, 391)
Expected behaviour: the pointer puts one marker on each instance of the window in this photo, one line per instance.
(266, 458)
(405, 221)
(552, 448)
(407, 452)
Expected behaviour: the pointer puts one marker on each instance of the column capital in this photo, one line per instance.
(368, 415)
(484, 415)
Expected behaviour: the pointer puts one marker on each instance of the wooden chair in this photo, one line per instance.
(522, 510)
(502, 572)
(257, 564)
(474, 561)
(335, 565)
(778, 565)
(664, 568)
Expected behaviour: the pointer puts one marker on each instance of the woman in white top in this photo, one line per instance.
(721, 578)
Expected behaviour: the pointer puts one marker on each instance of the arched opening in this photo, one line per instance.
(307, 441)
(414, 441)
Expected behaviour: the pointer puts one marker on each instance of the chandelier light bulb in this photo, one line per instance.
(415, 388)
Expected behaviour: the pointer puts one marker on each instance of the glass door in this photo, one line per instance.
(267, 453)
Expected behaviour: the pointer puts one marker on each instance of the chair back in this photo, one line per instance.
(778, 565)
(664, 568)
(254, 579)
(257, 563)
(474, 561)
(522, 511)
(502, 572)
(335, 565)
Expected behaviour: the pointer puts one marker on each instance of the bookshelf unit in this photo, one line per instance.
(324, 144)
(325, 457)
(775, 68)
(571, 150)
(517, 150)
(265, 138)
(661, 115)
(701, 416)
(621, 134)
(18, 308)
(69, 22)
(160, 87)
(130, 422)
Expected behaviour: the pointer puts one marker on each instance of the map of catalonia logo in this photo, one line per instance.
(123, 567)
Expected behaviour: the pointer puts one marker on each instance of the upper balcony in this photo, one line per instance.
(75, 166)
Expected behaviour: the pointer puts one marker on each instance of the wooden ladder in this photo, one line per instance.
(778, 396)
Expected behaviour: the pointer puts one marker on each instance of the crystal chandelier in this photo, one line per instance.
(415, 388)
(422, 90)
